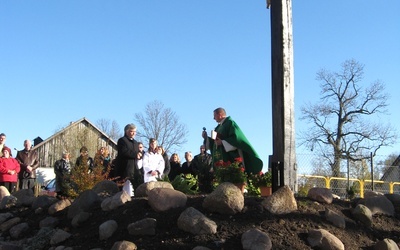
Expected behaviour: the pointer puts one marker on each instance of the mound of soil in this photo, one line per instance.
(288, 231)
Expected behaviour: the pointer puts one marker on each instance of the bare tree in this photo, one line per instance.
(162, 124)
(320, 167)
(360, 169)
(342, 121)
(111, 128)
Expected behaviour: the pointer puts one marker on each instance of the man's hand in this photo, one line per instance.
(204, 134)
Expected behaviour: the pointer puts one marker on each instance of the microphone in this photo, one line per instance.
(205, 138)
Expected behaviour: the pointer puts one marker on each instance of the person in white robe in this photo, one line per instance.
(153, 162)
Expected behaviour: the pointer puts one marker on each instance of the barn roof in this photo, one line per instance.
(72, 124)
(396, 162)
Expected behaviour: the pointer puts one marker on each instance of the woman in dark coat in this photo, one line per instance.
(175, 166)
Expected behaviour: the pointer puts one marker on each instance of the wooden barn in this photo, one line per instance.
(71, 139)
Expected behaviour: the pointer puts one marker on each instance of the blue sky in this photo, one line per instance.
(64, 60)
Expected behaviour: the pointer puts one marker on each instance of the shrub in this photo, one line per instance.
(81, 178)
(185, 183)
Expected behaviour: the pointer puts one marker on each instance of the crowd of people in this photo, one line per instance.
(21, 169)
(137, 165)
(134, 163)
(229, 143)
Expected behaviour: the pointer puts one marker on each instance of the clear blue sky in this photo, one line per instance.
(64, 60)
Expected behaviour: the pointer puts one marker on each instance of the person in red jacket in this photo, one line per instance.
(9, 169)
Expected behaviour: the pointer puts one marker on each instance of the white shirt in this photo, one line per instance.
(152, 162)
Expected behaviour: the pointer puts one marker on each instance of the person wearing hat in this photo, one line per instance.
(28, 160)
(9, 169)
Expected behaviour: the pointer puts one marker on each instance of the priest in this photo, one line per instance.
(228, 142)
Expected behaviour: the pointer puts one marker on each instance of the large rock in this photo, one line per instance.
(43, 201)
(8, 202)
(5, 226)
(18, 231)
(85, 202)
(363, 214)
(106, 188)
(163, 199)
(281, 202)
(80, 219)
(146, 226)
(3, 192)
(124, 245)
(5, 216)
(254, 239)
(59, 206)
(370, 193)
(144, 189)
(59, 236)
(193, 221)
(323, 195)
(25, 197)
(395, 199)
(322, 239)
(107, 229)
(225, 199)
(386, 244)
(119, 199)
(378, 205)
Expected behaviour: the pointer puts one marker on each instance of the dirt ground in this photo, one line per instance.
(286, 231)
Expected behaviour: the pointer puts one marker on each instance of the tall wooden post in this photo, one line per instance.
(283, 129)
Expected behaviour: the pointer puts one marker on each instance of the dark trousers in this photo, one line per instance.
(26, 183)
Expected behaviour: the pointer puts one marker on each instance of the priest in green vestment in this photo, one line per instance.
(229, 143)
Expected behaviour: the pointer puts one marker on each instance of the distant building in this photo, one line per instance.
(37, 140)
(71, 139)
(392, 173)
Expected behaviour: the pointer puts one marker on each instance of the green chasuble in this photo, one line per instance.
(230, 132)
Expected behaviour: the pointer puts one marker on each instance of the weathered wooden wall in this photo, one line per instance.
(71, 139)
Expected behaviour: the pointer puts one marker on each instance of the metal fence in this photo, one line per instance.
(375, 174)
